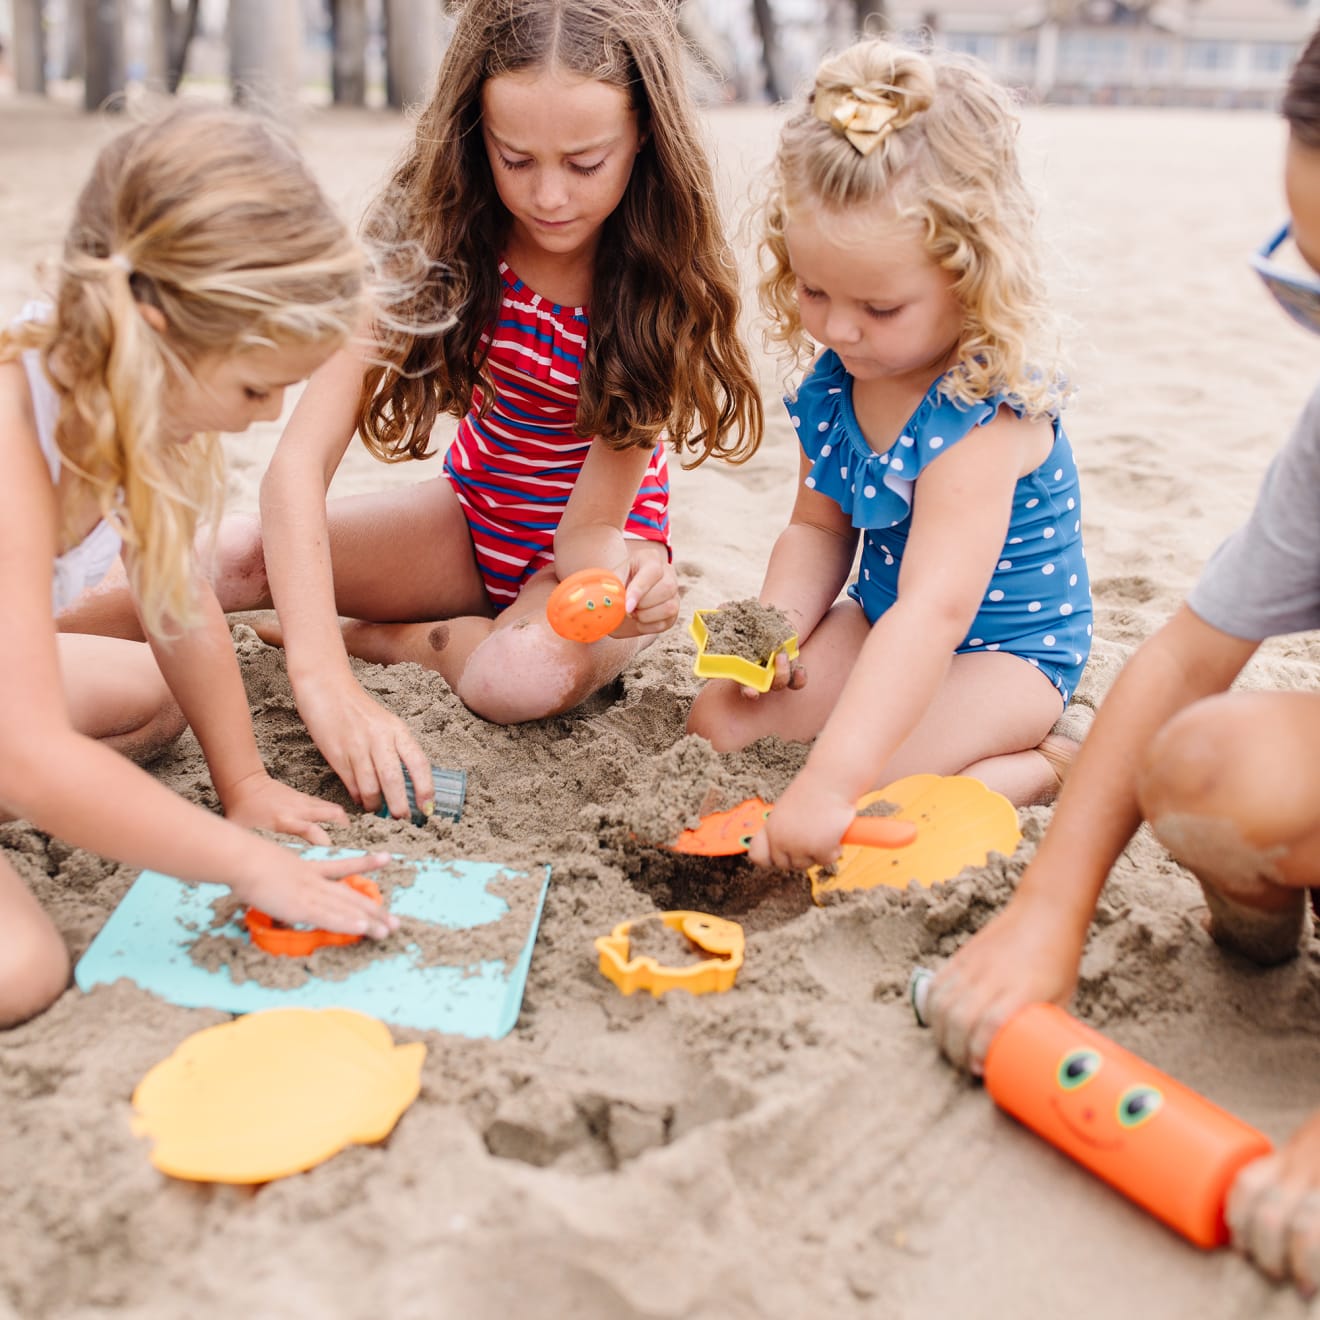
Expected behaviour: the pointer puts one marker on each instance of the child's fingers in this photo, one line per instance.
(336, 868)
(419, 771)
(642, 580)
(330, 813)
(387, 770)
(305, 829)
(1304, 1243)
(340, 908)
(656, 615)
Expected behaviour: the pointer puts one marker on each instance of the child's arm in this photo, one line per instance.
(200, 670)
(363, 742)
(79, 789)
(1031, 950)
(590, 535)
(960, 514)
(808, 566)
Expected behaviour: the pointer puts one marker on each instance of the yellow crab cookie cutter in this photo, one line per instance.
(736, 667)
(723, 940)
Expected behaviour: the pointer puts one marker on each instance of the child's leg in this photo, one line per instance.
(106, 610)
(397, 555)
(1231, 786)
(116, 693)
(510, 669)
(34, 964)
(401, 560)
(987, 719)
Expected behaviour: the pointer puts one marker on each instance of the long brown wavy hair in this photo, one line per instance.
(211, 216)
(663, 354)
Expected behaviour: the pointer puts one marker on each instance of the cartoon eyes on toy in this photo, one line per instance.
(1137, 1104)
(1077, 1068)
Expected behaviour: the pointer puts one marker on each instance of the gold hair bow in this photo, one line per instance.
(859, 115)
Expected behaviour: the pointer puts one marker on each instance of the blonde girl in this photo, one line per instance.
(202, 275)
(558, 185)
(898, 238)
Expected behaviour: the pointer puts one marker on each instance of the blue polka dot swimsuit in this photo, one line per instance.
(1038, 602)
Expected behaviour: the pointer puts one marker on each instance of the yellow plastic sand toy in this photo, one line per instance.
(741, 670)
(723, 940)
(959, 823)
(274, 1093)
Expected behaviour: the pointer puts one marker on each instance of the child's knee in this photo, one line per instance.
(240, 564)
(1206, 763)
(517, 674)
(1195, 762)
(34, 973)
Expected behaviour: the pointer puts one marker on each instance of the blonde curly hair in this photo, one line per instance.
(947, 163)
(209, 215)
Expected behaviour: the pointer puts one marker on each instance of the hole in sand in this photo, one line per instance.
(728, 887)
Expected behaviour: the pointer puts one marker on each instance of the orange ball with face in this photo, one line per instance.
(587, 605)
(1155, 1140)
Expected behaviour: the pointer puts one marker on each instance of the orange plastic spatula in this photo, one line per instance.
(725, 833)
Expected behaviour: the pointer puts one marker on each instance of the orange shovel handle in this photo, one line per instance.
(880, 832)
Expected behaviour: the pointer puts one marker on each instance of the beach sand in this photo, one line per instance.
(795, 1147)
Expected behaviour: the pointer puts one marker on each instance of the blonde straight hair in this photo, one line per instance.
(210, 216)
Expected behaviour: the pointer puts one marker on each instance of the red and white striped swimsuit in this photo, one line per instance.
(514, 469)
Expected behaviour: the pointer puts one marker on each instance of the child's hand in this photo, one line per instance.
(262, 803)
(805, 827)
(1024, 956)
(789, 674)
(651, 594)
(366, 745)
(1273, 1210)
(293, 890)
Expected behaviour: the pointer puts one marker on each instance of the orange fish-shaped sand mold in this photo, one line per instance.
(722, 940)
(275, 1093)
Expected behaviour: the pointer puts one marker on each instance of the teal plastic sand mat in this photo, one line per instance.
(445, 976)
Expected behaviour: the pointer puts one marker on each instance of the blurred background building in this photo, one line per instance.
(1178, 52)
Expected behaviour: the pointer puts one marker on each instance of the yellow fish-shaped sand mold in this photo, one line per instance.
(959, 821)
(274, 1093)
(721, 939)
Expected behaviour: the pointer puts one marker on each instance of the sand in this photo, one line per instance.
(795, 1147)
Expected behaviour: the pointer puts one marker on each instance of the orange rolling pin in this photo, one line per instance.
(1159, 1143)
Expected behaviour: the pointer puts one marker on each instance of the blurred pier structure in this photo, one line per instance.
(1223, 53)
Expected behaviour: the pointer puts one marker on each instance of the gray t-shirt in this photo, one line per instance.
(1265, 579)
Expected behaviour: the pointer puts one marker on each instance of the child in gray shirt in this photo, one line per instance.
(1229, 781)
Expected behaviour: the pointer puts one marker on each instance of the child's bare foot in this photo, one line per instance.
(1059, 752)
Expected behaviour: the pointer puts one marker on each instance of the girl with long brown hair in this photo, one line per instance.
(558, 189)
